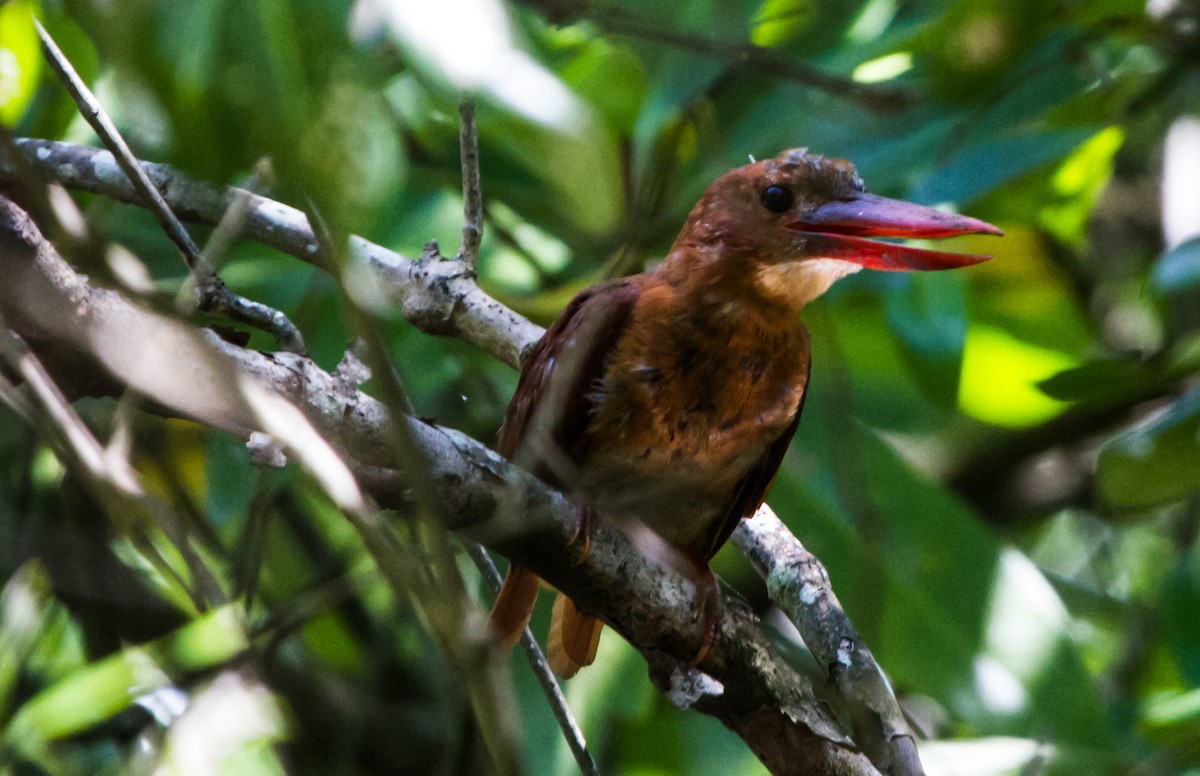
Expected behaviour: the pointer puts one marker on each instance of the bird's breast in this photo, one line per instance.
(681, 417)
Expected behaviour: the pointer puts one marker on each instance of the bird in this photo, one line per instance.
(668, 398)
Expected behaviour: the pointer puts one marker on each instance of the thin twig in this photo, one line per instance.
(96, 116)
(109, 476)
(468, 141)
(76, 437)
(541, 669)
(468, 253)
(234, 219)
(440, 593)
(214, 295)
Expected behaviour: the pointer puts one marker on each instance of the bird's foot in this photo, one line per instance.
(585, 523)
(710, 591)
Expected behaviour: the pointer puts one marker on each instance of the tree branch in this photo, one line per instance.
(460, 308)
(468, 141)
(754, 693)
(356, 424)
(213, 294)
(798, 584)
(435, 294)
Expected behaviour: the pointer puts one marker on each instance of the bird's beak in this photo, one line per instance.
(837, 229)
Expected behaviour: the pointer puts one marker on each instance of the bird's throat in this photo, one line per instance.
(796, 283)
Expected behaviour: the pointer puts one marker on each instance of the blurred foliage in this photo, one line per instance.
(1000, 466)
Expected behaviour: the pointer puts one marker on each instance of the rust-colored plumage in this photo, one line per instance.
(670, 397)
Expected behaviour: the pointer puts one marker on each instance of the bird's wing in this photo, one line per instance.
(544, 427)
(543, 432)
(752, 489)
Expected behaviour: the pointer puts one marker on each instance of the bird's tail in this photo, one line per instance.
(573, 638)
(514, 604)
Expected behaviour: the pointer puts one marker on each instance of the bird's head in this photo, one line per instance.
(796, 223)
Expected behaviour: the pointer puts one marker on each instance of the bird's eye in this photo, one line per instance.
(777, 199)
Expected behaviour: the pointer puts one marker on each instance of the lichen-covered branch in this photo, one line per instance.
(436, 294)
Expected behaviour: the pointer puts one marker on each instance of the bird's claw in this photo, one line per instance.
(710, 590)
(584, 522)
(710, 636)
(583, 554)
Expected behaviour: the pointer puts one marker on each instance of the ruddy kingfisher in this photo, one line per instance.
(669, 398)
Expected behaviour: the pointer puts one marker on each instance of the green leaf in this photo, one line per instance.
(934, 575)
(1184, 356)
(971, 623)
(1000, 375)
(1156, 461)
(613, 81)
(159, 563)
(1177, 607)
(101, 689)
(23, 620)
(778, 21)
(1095, 380)
(20, 58)
(885, 391)
(930, 317)
(1171, 709)
(1078, 184)
(985, 167)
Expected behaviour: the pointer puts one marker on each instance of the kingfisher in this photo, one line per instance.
(667, 399)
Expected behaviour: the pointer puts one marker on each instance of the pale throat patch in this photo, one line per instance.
(796, 283)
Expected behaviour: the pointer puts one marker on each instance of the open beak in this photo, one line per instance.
(837, 230)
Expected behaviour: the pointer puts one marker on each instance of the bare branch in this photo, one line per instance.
(828, 626)
(214, 295)
(439, 296)
(468, 140)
